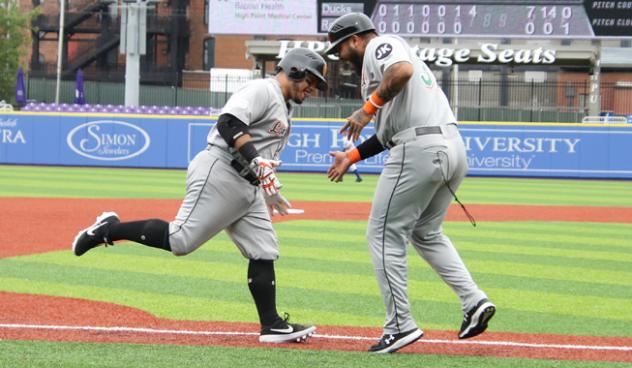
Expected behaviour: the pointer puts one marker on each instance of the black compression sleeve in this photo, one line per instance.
(249, 151)
(231, 128)
(370, 147)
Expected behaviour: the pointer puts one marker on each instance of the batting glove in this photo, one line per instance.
(264, 169)
(279, 203)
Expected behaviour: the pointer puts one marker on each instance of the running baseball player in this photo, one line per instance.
(348, 144)
(426, 165)
(232, 186)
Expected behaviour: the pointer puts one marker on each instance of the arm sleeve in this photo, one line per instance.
(370, 147)
(231, 128)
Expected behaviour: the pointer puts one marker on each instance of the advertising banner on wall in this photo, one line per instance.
(262, 17)
(501, 149)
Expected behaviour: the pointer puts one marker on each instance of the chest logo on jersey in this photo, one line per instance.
(278, 129)
(426, 80)
(383, 51)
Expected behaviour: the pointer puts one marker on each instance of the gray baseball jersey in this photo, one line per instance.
(420, 103)
(427, 162)
(260, 105)
(217, 198)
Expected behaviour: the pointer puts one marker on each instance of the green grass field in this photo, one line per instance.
(545, 277)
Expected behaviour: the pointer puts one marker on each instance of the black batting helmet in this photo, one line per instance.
(298, 61)
(345, 27)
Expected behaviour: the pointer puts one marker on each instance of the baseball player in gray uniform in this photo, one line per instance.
(426, 164)
(232, 186)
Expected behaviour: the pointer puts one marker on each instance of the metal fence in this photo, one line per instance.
(474, 101)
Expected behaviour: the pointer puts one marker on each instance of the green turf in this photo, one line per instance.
(578, 282)
(36, 354)
(34, 181)
(545, 277)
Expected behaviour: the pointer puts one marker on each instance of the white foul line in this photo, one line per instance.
(329, 337)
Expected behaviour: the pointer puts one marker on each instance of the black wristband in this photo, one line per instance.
(248, 151)
(370, 147)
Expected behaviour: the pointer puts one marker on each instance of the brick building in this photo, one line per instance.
(180, 52)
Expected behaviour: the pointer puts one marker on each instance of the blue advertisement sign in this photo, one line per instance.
(501, 149)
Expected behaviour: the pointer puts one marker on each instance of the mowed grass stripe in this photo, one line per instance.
(77, 191)
(311, 239)
(562, 273)
(196, 287)
(574, 241)
(592, 234)
(586, 186)
(91, 172)
(162, 305)
(104, 188)
(536, 239)
(316, 187)
(40, 354)
(358, 262)
(570, 243)
(594, 230)
(356, 284)
(566, 256)
(324, 307)
(539, 260)
(90, 182)
(556, 184)
(168, 306)
(432, 314)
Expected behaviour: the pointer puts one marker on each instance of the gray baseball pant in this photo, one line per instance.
(217, 199)
(410, 202)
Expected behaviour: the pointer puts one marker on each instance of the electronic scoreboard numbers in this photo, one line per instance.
(490, 18)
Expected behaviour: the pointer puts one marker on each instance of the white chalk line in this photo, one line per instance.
(318, 336)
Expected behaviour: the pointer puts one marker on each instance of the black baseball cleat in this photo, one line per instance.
(95, 235)
(476, 319)
(282, 331)
(392, 343)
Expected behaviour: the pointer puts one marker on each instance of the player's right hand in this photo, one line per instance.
(355, 123)
(264, 169)
(339, 167)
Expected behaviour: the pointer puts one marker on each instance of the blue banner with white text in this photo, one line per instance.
(150, 141)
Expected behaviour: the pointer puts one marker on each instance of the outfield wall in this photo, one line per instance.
(493, 149)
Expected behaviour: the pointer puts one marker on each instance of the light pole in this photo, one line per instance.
(60, 46)
(133, 45)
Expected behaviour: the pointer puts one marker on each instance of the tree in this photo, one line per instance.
(15, 38)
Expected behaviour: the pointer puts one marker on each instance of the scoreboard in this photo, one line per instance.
(489, 18)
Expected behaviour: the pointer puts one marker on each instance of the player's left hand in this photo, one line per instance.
(264, 169)
(279, 203)
(339, 167)
(355, 123)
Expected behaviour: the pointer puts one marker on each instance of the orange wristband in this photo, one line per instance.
(373, 104)
(369, 108)
(354, 155)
